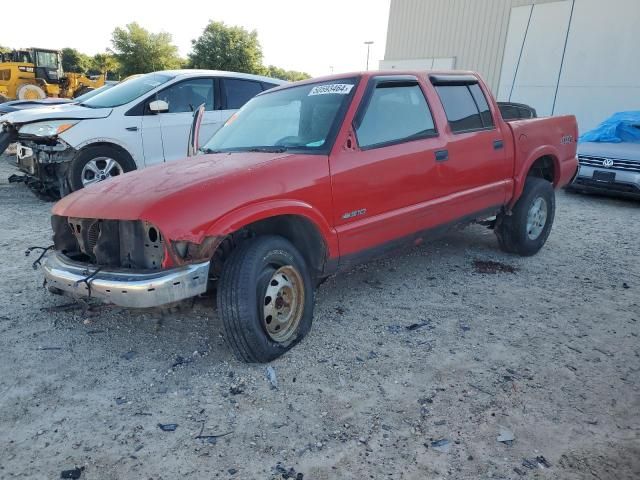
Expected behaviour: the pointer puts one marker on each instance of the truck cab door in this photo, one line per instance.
(477, 171)
(382, 183)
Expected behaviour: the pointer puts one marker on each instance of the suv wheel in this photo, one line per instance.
(94, 164)
(526, 230)
(265, 299)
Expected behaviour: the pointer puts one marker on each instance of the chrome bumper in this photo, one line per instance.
(126, 288)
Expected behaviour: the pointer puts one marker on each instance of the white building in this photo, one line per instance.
(559, 56)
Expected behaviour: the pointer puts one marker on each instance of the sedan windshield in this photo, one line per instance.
(128, 91)
(304, 118)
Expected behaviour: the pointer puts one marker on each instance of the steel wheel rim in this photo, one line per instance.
(99, 169)
(537, 218)
(283, 304)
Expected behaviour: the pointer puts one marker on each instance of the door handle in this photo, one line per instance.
(442, 155)
(498, 145)
(132, 129)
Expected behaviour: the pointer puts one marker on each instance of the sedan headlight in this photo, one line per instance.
(50, 128)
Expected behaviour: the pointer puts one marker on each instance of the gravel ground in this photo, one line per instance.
(414, 365)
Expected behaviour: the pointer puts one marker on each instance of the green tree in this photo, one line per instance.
(282, 74)
(104, 63)
(75, 61)
(222, 47)
(140, 51)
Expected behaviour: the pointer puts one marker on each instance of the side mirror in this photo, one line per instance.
(158, 106)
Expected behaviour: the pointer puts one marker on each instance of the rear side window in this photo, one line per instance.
(395, 113)
(238, 92)
(466, 107)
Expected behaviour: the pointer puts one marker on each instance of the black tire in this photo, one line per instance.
(88, 154)
(82, 90)
(246, 276)
(511, 230)
(3, 98)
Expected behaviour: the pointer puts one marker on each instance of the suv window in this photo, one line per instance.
(238, 92)
(395, 113)
(466, 107)
(188, 95)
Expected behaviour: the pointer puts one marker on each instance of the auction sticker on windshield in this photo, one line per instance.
(334, 88)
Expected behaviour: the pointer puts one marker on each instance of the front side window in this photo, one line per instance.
(187, 96)
(466, 108)
(128, 91)
(303, 118)
(238, 92)
(395, 113)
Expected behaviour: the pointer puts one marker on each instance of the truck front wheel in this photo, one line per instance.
(526, 230)
(265, 299)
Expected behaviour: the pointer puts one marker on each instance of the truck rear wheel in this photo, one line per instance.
(265, 299)
(526, 230)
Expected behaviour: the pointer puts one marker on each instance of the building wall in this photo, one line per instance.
(471, 31)
(560, 56)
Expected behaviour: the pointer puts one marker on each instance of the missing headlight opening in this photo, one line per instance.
(110, 243)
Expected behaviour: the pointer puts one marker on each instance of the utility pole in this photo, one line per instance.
(368, 44)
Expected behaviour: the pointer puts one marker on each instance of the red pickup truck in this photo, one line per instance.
(306, 180)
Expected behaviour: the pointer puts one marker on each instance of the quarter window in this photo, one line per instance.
(239, 92)
(395, 113)
(466, 107)
(188, 95)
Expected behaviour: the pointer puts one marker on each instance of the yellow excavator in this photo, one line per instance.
(36, 73)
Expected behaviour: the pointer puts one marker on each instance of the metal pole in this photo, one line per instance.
(368, 44)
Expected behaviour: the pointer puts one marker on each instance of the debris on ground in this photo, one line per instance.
(74, 473)
(168, 427)
(489, 266)
(538, 462)
(271, 376)
(181, 361)
(130, 355)
(237, 387)
(443, 445)
(212, 439)
(285, 473)
(415, 326)
(506, 436)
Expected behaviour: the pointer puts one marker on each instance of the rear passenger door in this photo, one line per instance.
(381, 185)
(476, 169)
(236, 92)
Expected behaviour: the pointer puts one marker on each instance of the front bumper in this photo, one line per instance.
(126, 288)
(626, 182)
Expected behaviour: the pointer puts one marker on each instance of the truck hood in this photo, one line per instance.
(622, 151)
(55, 112)
(168, 191)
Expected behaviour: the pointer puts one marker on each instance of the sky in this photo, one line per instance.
(315, 37)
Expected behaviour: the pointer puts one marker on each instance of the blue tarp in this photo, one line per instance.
(618, 128)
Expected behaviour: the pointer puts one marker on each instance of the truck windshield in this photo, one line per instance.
(128, 91)
(304, 118)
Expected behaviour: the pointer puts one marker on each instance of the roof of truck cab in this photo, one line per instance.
(376, 73)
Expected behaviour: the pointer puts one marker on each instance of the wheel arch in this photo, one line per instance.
(542, 163)
(101, 142)
(296, 221)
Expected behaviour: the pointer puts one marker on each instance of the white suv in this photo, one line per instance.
(140, 122)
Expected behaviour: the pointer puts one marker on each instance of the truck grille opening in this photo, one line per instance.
(111, 243)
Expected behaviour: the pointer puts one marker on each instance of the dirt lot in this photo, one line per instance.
(404, 353)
